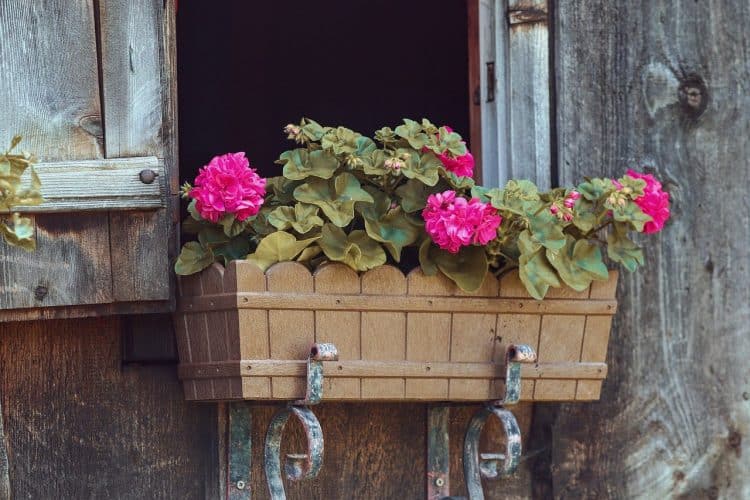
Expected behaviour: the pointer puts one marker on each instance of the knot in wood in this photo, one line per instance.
(40, 292)
(147, 176)
(693, 95)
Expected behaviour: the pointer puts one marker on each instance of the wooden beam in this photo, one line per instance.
(101, 185)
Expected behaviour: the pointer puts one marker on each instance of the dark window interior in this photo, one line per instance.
(246, 68)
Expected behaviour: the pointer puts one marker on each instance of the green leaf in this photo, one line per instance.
(395, 230)
(357, 250)
(467, 268)
(20, 234)
(584, 217)
(312, 129)
(234, 249)
(302, 218)
(280, 189)
(545, 228)
(300, 164)
(193, 258)
(194, 211)
(425, 168)
(457, 182)
(340, 140)
(631, 214)
(621, 249)
(537, 274)
(413, 194)
(336, 198)
(412, 132)
(426, 260)
(595, 189)
(577, 263)
(278, 247)
(233, 227)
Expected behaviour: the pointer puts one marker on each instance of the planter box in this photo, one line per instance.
(243, 334)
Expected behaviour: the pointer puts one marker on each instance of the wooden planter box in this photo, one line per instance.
(243, 334)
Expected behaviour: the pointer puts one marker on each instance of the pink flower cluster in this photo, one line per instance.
(654, 202)
(566, 213)
(227, 185)
(462, 166)
(453, 222)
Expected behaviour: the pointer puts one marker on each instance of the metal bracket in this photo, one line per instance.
(478, 465)
(299, 466)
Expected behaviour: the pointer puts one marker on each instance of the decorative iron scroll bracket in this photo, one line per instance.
(478, 466)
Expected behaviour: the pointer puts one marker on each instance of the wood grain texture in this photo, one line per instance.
(99, 185)
(664, 83)
(80, 425)
(137, 43)
(51, 97)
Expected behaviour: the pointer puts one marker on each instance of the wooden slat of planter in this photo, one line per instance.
(249, 327)
(473, 339)
(212, 281)
(517, 329)
(428, 304)
(383, 333)
(427, 335)
(291, 332)
(564, 370)
(338, 327)
(560, 340)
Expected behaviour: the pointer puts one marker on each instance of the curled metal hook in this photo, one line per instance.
(318, 354)
(515, 355)
(490, 465)
(297, 466)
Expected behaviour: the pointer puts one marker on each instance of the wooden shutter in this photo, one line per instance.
(90, 86)
(510, 106)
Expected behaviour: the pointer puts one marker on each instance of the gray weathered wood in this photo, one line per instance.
(516, 122)
(50, 94)
(138, 95)
(96, 185)
(528, 89)
(4, 465)
(665, 83)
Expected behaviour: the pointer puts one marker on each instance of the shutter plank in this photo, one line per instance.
(50, 94)
(137, 46)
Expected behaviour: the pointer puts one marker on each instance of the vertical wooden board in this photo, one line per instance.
(92, 428)
(137, 84)
(473, 340)
(588, 390)
(383, 333)
(596, 338)
(217, 331)
(51, 97)
(516, 329)
(605, 289)
(248, 328)
(428, 335)
(511, 286)
(560, 339)
(475, 81)
(339, 327)
(529, 104)
(291, 332)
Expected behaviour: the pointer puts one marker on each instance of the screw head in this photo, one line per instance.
(40, 292)
(147, 176)
(439, 482)
(240, 485)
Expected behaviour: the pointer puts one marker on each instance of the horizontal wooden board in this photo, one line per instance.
(428, 304)
(390, 369)
(100, 185)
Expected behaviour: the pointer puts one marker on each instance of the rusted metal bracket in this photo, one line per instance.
(478, 465)
(301, 465)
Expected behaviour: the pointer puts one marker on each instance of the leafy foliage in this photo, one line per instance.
(18, 231)
(349, 198)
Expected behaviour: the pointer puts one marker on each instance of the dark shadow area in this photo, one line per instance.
(246, 69)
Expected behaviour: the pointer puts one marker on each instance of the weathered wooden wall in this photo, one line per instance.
(666, 83)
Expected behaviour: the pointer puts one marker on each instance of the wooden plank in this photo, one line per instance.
(425, 304)
(137, 42)
(96, 429)
(529, 105)
(339, 328)
(51, 97)
(383, 333)
(99, 185)
(474, 97)
(248, 328)
(664, 83)
(290, 277)
(391, 369)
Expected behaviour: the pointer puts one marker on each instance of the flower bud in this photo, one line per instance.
(568, 217)
(554, 209)
(574, 195)
(569, 203)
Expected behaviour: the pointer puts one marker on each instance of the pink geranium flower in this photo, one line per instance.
(462, 166)
(227, 185)
(453, 222)
(654, 202)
